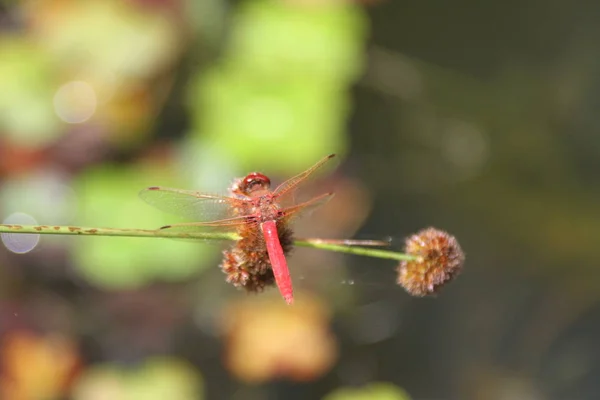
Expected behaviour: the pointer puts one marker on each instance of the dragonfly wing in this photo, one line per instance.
(193, 205)
(206, 232)
(308, 206)
(201, 226)
(291, 184)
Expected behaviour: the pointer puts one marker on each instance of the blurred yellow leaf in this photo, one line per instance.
(36, 367)
(268, 339)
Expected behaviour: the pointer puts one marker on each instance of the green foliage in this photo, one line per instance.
(119, 43)
(109, 198)
(250, 117)
(279, 40)
(27, 85)
(373, 391)
(262, 96)
(157, 379)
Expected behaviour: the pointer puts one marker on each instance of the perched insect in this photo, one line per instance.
(259, 215)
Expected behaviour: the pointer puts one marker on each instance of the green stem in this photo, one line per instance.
(84, 231)
(356, 250)
(165, 233)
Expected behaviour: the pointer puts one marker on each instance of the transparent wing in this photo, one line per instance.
(218, 230)
(193, 205)
(307, 207)
(291, 184)
(195, 226)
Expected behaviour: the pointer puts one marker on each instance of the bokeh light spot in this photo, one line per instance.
(75, 102)
(20, 243)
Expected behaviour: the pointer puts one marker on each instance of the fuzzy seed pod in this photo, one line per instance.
(247, 264)
(440, 259)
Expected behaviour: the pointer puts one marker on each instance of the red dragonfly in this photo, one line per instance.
(260, 216)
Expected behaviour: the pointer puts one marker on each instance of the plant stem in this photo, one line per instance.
(165, 233)
(356, 250)
(84, 231)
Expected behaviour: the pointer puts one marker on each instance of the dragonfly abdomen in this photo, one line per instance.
(247, 263)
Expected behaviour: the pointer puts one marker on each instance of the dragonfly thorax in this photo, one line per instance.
(266, 209)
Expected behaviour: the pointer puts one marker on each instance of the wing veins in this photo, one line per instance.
(308, 205)
(294, 181)
(192, 204)
(237, 221)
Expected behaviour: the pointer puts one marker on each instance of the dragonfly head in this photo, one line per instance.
(252, 183)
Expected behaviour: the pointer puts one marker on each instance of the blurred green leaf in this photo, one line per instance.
(280, 39)
(250, 117)
(163, 378)
(27, 86)
(109, 198)
(373, 391)
(282, 84)
(111, 41)
(157, 379)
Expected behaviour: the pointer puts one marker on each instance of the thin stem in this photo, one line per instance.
(349, 242)
(360, 251)
(83, 231)
(349, 246)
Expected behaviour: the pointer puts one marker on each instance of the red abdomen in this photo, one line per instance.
(278, 261)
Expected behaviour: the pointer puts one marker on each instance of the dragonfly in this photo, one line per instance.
(261, 217)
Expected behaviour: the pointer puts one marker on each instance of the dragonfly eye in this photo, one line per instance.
(254, 181)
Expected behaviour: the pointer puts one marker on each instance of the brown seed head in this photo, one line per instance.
(440, 259)
(247, 263)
